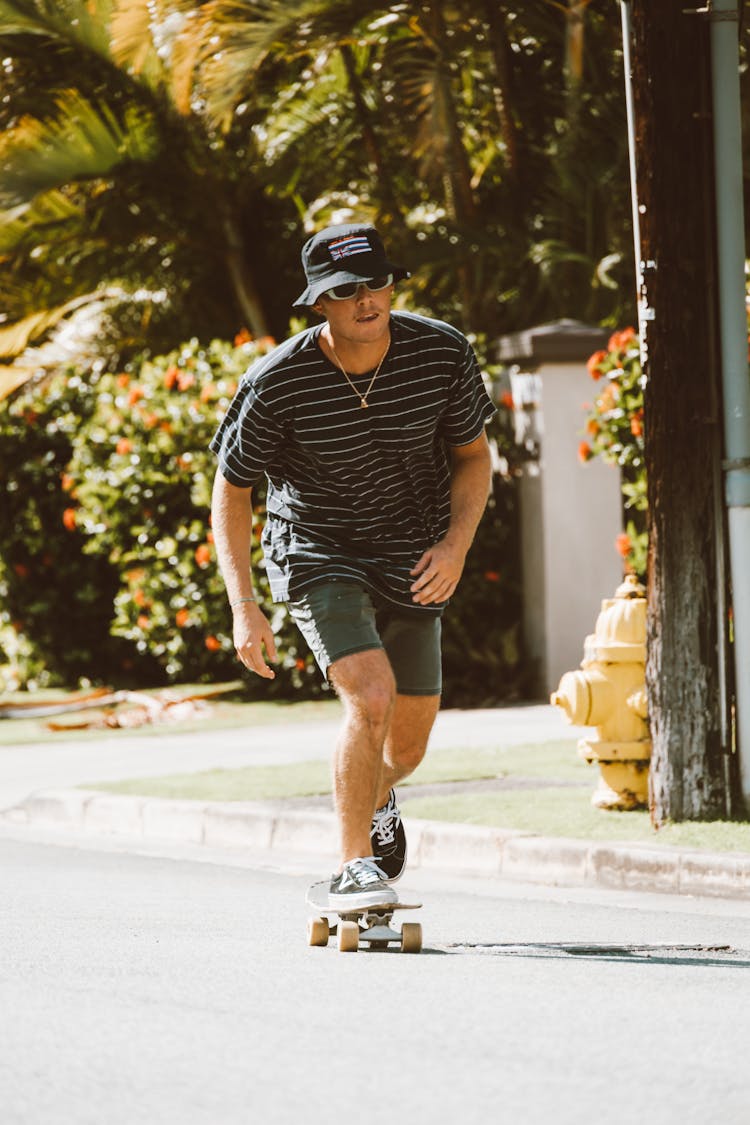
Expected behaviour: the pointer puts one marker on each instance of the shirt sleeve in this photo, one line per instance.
(248, 437)
(469, 406)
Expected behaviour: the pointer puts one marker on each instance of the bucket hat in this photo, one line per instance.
(351, 252)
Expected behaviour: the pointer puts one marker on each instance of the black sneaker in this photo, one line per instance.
(361, 883)
(388, 839)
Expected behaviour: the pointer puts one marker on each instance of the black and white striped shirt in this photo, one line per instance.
(354, 494)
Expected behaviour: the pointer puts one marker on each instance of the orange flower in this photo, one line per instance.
(593, 364)
(213, 644)
(242, 337)
(506, 398)
(203, 554)
(267, 342)
(492, 575)
(144, 621)
(208, 392)
(135, 575)
(66, 482)
(636, 426)
(136, 393)
(21, 570)
(123, 380)
(140, 599)
(124, 446)
(618, 341)
(171, 376)
(69, 519)
(182, 617)
(592, 427)
(209, 536)
(608, 397)
(623, 544)
(299, 664)
(150, 420)
(185, 380)
(585, 452)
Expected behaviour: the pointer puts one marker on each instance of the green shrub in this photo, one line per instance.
(55, 601)
(108, 571)
(143, 475)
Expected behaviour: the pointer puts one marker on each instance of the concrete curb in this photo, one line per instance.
(458, 848)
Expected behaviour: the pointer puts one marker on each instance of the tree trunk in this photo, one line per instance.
(243, 283)
(494, 17)
(671, 87)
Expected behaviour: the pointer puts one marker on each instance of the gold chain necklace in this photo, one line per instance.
(362, 397)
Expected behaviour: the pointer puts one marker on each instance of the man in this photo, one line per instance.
(369, 429)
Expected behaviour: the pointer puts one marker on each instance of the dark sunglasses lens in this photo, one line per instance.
(379, 282)
(349, 288)
(341, 292)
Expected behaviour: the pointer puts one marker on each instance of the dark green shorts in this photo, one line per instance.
(339, 618)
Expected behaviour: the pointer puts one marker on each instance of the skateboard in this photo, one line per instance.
(370, 924)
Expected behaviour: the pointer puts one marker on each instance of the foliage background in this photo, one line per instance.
(615, 432)
(163, 163)
(109, 573)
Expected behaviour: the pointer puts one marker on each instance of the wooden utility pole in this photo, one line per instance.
(672, 100)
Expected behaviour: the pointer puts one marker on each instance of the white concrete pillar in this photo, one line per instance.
(570, 512)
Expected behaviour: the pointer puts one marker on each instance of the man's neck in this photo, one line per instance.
(354, 356)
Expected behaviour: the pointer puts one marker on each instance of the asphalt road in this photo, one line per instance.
(176, 986)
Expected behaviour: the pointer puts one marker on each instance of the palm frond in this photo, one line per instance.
(235, 37)
(131, 40)
(47, 212)
(84, 140)
(16, 337)
(302, 109)
(78, 21)
(11, 378)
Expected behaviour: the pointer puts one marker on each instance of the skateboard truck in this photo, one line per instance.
(370, 924)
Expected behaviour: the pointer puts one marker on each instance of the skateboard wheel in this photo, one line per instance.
(411, 937)
(348, 937)
(318, 931)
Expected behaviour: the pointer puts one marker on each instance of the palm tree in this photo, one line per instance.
(105, 182)
(180, 149)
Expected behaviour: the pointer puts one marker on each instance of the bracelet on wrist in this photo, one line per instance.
(239, 601)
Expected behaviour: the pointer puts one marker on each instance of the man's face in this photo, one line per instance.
(362, 318)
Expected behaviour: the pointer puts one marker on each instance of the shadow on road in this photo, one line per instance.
(703, 956)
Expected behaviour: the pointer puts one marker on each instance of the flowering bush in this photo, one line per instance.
(55, 601)
(614, 431)
(140, 489)
(108, 569)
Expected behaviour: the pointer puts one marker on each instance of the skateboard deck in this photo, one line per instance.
(368, 924)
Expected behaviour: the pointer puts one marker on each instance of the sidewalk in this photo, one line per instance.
(36, 789)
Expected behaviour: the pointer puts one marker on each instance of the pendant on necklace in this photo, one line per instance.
(363, 404)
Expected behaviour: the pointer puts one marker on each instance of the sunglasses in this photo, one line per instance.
(349, 288)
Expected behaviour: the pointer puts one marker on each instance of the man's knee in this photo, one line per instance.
(366, 684)
(410, 730)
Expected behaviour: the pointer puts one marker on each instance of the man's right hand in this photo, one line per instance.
(252, 633)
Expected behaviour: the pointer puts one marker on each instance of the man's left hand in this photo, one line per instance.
(437, 573)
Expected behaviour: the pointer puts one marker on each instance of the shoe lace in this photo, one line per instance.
(364, 871)
(385, 822)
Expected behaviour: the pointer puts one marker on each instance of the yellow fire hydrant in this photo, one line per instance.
(609, 693)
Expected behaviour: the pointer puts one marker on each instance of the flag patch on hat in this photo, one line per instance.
(351, 244)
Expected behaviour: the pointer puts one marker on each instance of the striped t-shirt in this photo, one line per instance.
(353, 494)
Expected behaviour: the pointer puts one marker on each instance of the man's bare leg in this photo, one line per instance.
(406, 742)
(366, 686)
